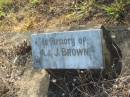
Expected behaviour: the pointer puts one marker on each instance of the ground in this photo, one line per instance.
(17, 76)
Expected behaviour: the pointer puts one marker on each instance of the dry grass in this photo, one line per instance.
(25, 15)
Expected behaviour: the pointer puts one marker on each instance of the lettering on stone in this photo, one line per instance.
(68, 50)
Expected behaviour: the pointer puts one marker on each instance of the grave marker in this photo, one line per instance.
(81, 49)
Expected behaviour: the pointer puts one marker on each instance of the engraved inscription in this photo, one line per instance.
(68, 50)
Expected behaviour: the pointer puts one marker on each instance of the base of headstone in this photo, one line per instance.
(73, 83)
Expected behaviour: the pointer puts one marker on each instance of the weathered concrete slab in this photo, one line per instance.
(81, 49)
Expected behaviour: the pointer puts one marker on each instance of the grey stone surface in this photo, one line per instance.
(81, 49)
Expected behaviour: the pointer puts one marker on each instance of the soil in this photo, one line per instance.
(15, 69)
(17, 76)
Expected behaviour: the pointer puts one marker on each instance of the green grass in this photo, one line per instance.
(79, 11)
(116, 10)
(4, 2)
(34, 2)
(2, 14)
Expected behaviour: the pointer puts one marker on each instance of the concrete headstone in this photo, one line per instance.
(80, 49)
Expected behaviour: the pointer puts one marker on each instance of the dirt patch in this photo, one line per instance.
(17, 77)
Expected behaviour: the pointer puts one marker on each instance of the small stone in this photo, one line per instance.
(18, 78)
(74, 80)
(82, 71)
(115, 86)
(63, 94)
(113, 36)
(54, 80)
